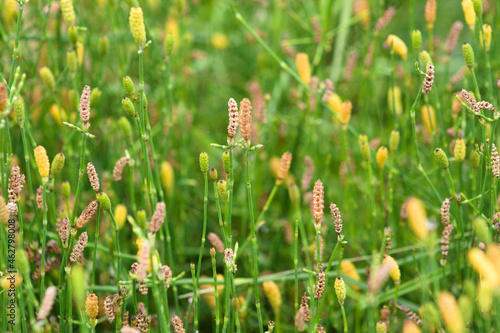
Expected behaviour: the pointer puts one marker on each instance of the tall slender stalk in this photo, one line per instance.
(205, 210)
(255, 255)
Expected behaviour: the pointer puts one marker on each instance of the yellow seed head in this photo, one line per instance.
(428, 118)
(59, 114)
(410, 327)
(430, 13)
(349, 270)
(273, 294)
(381, 327)
(137, 27)
(335, 103)
(470, 15)
(487, 36)
(68, 12)
(340, 290)
(417, 218)
(484, 298)
(42, 161)
(493, 254)
(220, 41)
(167, 177)
(398, 101)
(460, 150)
(450, 313)
(92, 306)
(11, 280)
(120, 215)
(4, 214)
(382, 153)
(398, 45)
(345, 113)
(394, 272)
(303, 67)
(483, 266)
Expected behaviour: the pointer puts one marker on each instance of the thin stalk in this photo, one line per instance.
(268, 202)
(116, 253)
(15, 54)
(96, 241)
(254, 239)
(81, 171)
(216, 291)
(205, 210)
(44, 238)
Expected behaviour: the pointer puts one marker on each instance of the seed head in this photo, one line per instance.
(345, 113)
(221, 187)
(104, 201)
(441, 158)
(455, 31)
(68, 12)
(216, 242)
(445, 211)
(303, 67)
(285, 162)
(4, 96)
(19, 110)
(4, 214)
(93, 177)
(48, 78)
(430, 13)
(381, 156)
(92, 306)
(495, 161)
(42, 162)
(109, 307)
(87, 214)
(57, 165)
(308, 173)
(337, 218)
(416, 40)
(417, 218)
(318, 202)
(340, 290)
(233, 119)
(320, 284)
(450, 312)
(79, 248)
(47, 303)
(84, 107)
(273, 294)
(204, 162)
(429, 79)
(349, 270)
(460, 150)
(483, 267)
(487, 36)
(137, 27)
(385, 19)
(470, 15)
(445, 242)
(468, 53)
(398, 45)
(158, 217)
(62, 228)
(16, 183)
(245, 119)
(178, 325)
(394, 271)
(118, 169)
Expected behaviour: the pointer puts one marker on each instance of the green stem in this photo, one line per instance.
(44, 238)
(96, 241)
(254, 238)
(205, 211)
